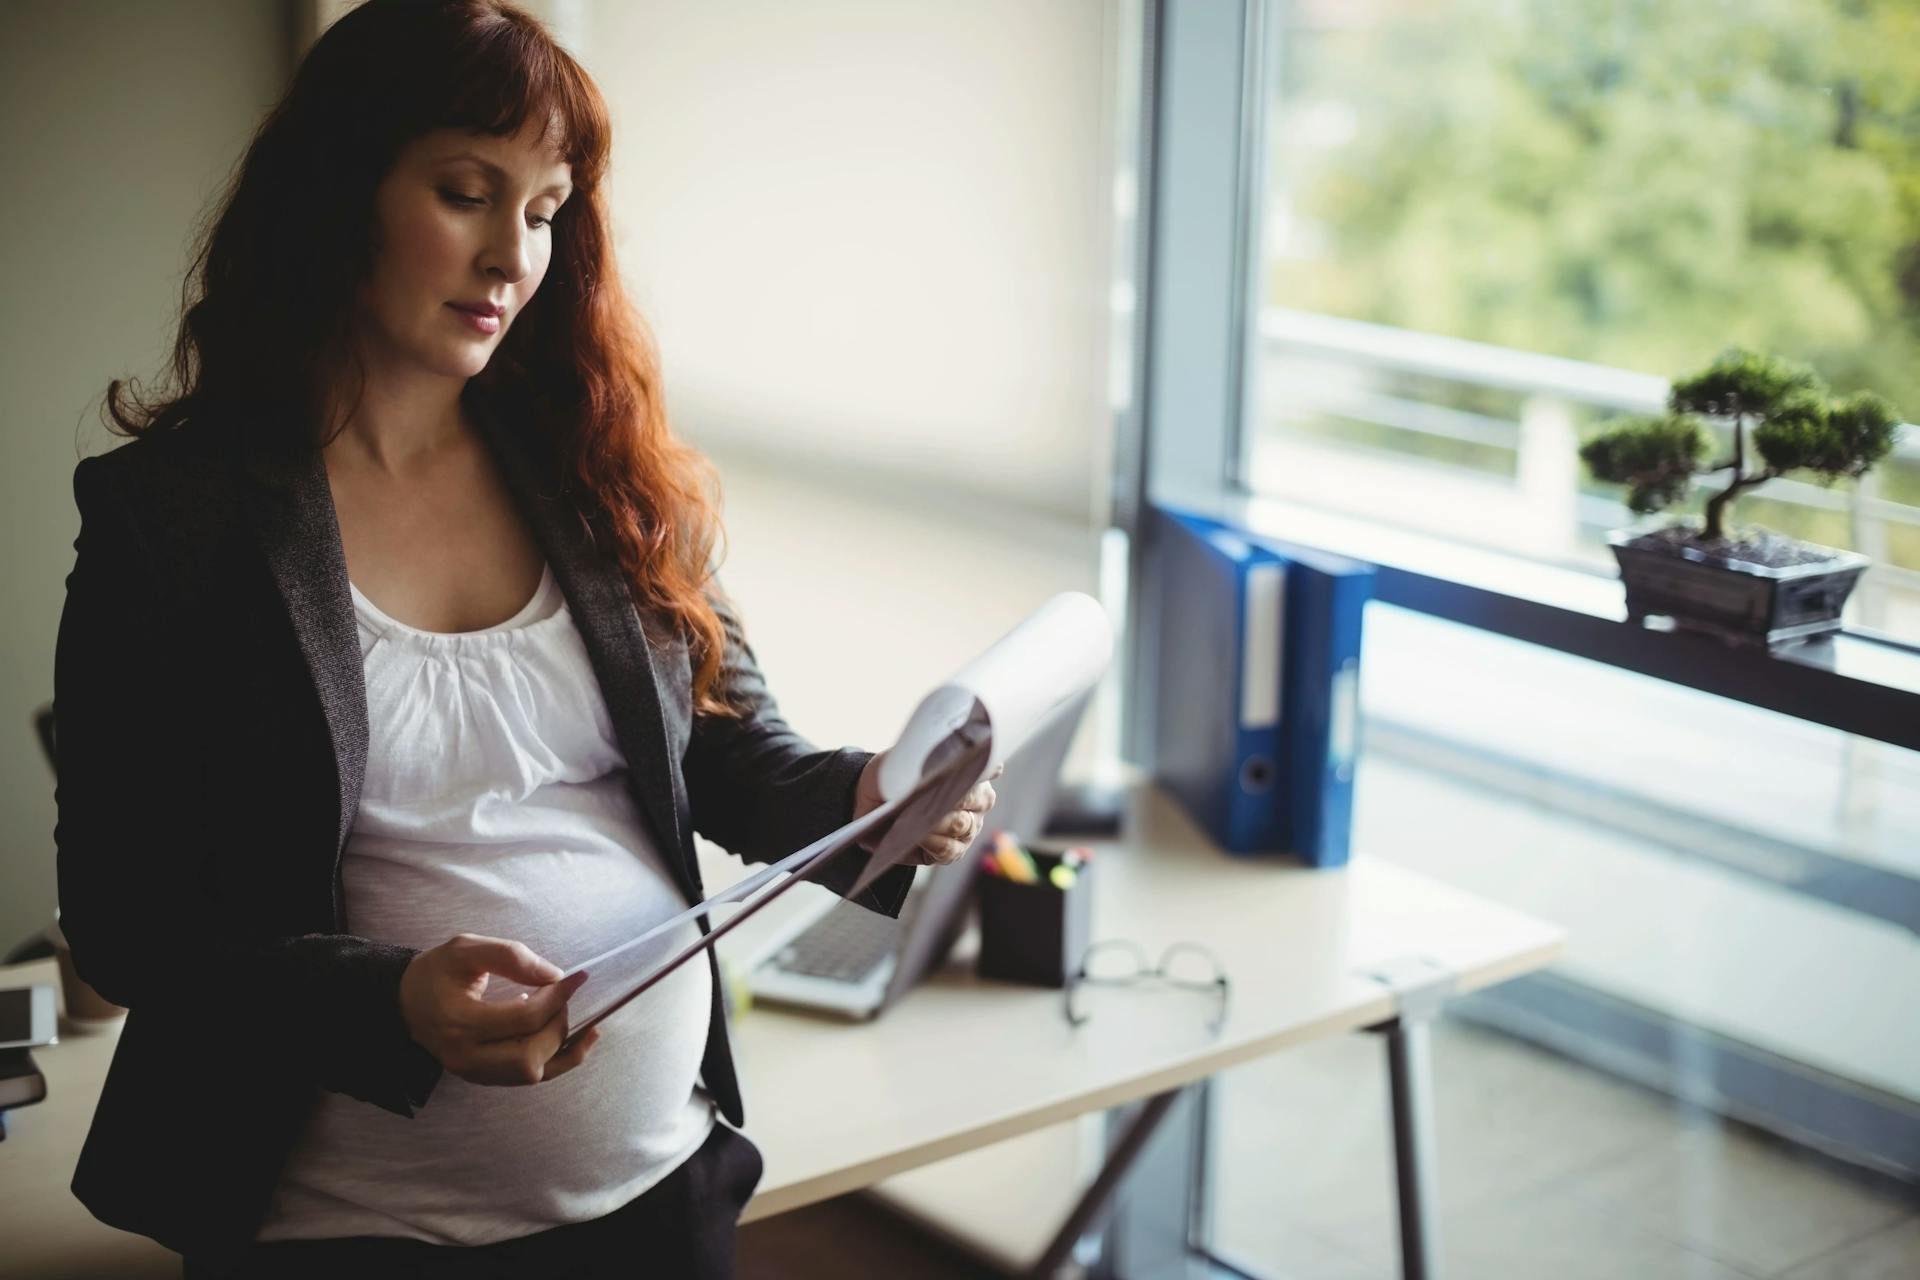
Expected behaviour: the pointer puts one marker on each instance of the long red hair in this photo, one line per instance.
(270, 299)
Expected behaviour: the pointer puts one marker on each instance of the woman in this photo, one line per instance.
(393, 665)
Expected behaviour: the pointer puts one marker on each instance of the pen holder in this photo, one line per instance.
(1034, 933)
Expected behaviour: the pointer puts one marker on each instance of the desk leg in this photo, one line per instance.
(1097, 1199)
(1409, 1067)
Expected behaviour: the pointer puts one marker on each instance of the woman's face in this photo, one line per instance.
(461, 221)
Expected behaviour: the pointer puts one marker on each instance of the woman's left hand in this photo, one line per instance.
(951, 836)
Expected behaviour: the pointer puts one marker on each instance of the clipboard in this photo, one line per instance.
(954, 767)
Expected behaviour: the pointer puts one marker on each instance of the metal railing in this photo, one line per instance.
(1543, 436)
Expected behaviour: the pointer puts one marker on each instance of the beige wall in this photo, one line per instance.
(873, 232)
(118, 122)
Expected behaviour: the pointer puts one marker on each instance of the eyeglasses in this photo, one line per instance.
(1121, 962)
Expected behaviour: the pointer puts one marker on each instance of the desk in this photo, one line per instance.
(930, 1079)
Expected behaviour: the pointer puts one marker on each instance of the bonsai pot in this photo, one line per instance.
(1745, 592)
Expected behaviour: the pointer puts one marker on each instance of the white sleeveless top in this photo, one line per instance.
(496, 803)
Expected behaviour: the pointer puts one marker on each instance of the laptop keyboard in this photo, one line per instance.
(845, 944)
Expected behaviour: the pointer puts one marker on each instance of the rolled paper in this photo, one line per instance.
(1014, 686)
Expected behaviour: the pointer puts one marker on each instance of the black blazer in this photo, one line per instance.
(211, 718)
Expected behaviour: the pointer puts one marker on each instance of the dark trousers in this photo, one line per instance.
(682, 1226)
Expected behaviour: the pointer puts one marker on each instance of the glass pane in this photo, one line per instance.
(1492, 225)
(1739, 897)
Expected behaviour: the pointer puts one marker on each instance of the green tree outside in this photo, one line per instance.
(1635, 183)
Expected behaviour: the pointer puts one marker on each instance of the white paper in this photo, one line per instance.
(914, 817)
(743, 889)
(1056, 653)
(956, 736)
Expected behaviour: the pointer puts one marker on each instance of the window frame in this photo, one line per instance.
(1201, 183)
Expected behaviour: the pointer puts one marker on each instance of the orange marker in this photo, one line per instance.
(1023, 869)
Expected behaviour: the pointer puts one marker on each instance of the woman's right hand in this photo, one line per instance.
(499, 1042)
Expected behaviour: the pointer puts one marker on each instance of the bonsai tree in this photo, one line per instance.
(1795, 425)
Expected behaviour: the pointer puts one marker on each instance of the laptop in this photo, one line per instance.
(845, 961)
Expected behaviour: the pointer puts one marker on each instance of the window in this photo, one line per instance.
(1492, 224)
(1479, 230)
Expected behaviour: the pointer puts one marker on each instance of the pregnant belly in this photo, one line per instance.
(481, 1162)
